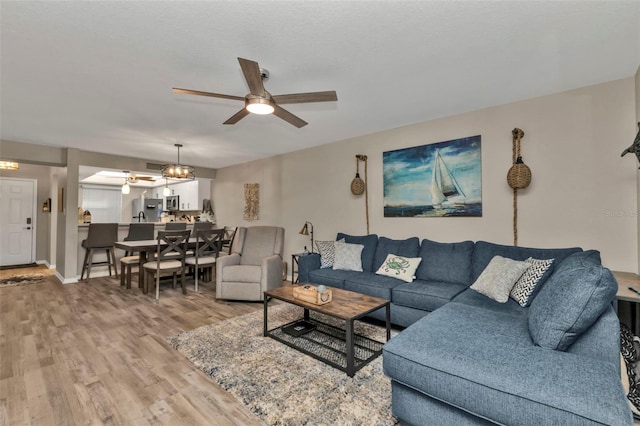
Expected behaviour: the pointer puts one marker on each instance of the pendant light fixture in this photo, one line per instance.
(178, 171)
(9, 165)
(125, 187)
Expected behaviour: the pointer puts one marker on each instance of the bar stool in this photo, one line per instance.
(137, 232)
(175, 226)
(102, 236)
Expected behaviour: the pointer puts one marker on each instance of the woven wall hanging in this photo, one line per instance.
(359, 186)
(518, 177)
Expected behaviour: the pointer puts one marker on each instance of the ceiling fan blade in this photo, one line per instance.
(237, 116)
(288, 117)
(251, 71)
(298, 98)
(211, 95)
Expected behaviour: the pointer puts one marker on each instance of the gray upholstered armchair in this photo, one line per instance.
(254, 265)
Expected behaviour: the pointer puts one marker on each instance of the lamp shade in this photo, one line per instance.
(304, 230)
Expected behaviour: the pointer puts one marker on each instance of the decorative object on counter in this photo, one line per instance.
(358, 186)
(635, 146)
(9, 165)
(125, 186)
(305, 231)
(86, 216)
(251, 201)
(46, 206)
(166, 191)
(178, 171)
(518, 177)
(207, 211)
(80, 215)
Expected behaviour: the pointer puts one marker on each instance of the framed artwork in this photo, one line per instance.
(435, 180)
(251, 201)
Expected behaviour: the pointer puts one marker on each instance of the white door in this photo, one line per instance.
(16, 221)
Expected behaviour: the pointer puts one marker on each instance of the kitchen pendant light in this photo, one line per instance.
(178, 171)
(166, 191)
(125, 187)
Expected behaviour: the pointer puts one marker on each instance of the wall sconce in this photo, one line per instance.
(46, 206)
(305, 231)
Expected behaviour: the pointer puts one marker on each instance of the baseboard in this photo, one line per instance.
(45, 263)
(64, 280)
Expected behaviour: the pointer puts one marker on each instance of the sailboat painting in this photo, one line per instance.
(435, 180)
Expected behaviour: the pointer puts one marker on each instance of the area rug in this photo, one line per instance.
(281, 385)
(21, 280)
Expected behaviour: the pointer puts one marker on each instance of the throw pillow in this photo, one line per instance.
(327, 250)
(348, 257)
(531, 280)
(499, 277)
(573, 298)
(402, 268)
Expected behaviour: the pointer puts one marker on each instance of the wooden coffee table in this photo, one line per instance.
(342, 349)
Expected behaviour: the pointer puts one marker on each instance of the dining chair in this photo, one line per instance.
(175, 226)
(170, 256)
(201, 226)
(137, 232)
(229, 236)
(208, 246)
(101, 236)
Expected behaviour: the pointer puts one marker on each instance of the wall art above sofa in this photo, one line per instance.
(434, 180)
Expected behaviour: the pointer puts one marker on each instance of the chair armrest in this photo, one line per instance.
(271, 272)
(222, 261)
(306, 264)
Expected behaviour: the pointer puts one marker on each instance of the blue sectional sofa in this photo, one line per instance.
(464, 358)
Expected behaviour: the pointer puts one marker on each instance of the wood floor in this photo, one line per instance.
(93, 353)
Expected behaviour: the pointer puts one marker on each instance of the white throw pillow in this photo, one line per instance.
(499, 277)
(400, 267)
(327, 250)
(348, 257)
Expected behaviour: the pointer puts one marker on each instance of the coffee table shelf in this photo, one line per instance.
(327, 343)
(341, 348)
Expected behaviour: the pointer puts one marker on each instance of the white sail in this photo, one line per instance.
(443, 183)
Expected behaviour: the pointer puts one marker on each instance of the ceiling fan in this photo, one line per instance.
(133, 178)
(259, 101)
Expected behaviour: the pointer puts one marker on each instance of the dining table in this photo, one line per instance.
(145, 250)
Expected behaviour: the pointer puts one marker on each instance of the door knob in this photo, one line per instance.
(27, 227)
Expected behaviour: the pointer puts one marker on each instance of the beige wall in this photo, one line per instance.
(637, 81)
(582, 193)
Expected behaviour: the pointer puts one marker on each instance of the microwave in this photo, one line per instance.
(173, 203)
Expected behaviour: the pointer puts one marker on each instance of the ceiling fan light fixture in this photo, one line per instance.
(260, 106)
(178, 171)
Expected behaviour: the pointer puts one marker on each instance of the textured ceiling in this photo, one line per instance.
(98, 75)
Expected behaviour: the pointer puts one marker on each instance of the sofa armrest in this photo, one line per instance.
(306, 264)
(271, 272)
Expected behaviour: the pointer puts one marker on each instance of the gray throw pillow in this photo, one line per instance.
(573, 298)
(499, 277)
(348, 257)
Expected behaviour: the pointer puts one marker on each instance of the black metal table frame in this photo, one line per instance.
(350, 335)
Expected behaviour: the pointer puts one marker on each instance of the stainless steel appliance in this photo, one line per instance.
(147, 209)
(173, 203)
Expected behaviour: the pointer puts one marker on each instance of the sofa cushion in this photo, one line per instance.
(531, 281)
(485, 251)
(402, 268)
(386, 246)
(372, 284)
(369, 242)
(577, 293)
(499, 277)
(427, 295)
(485, 363)
(331, 277)
(478, 300)
(447, 262)
(348, 257)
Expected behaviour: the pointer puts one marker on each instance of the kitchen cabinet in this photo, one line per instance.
(192, 193)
